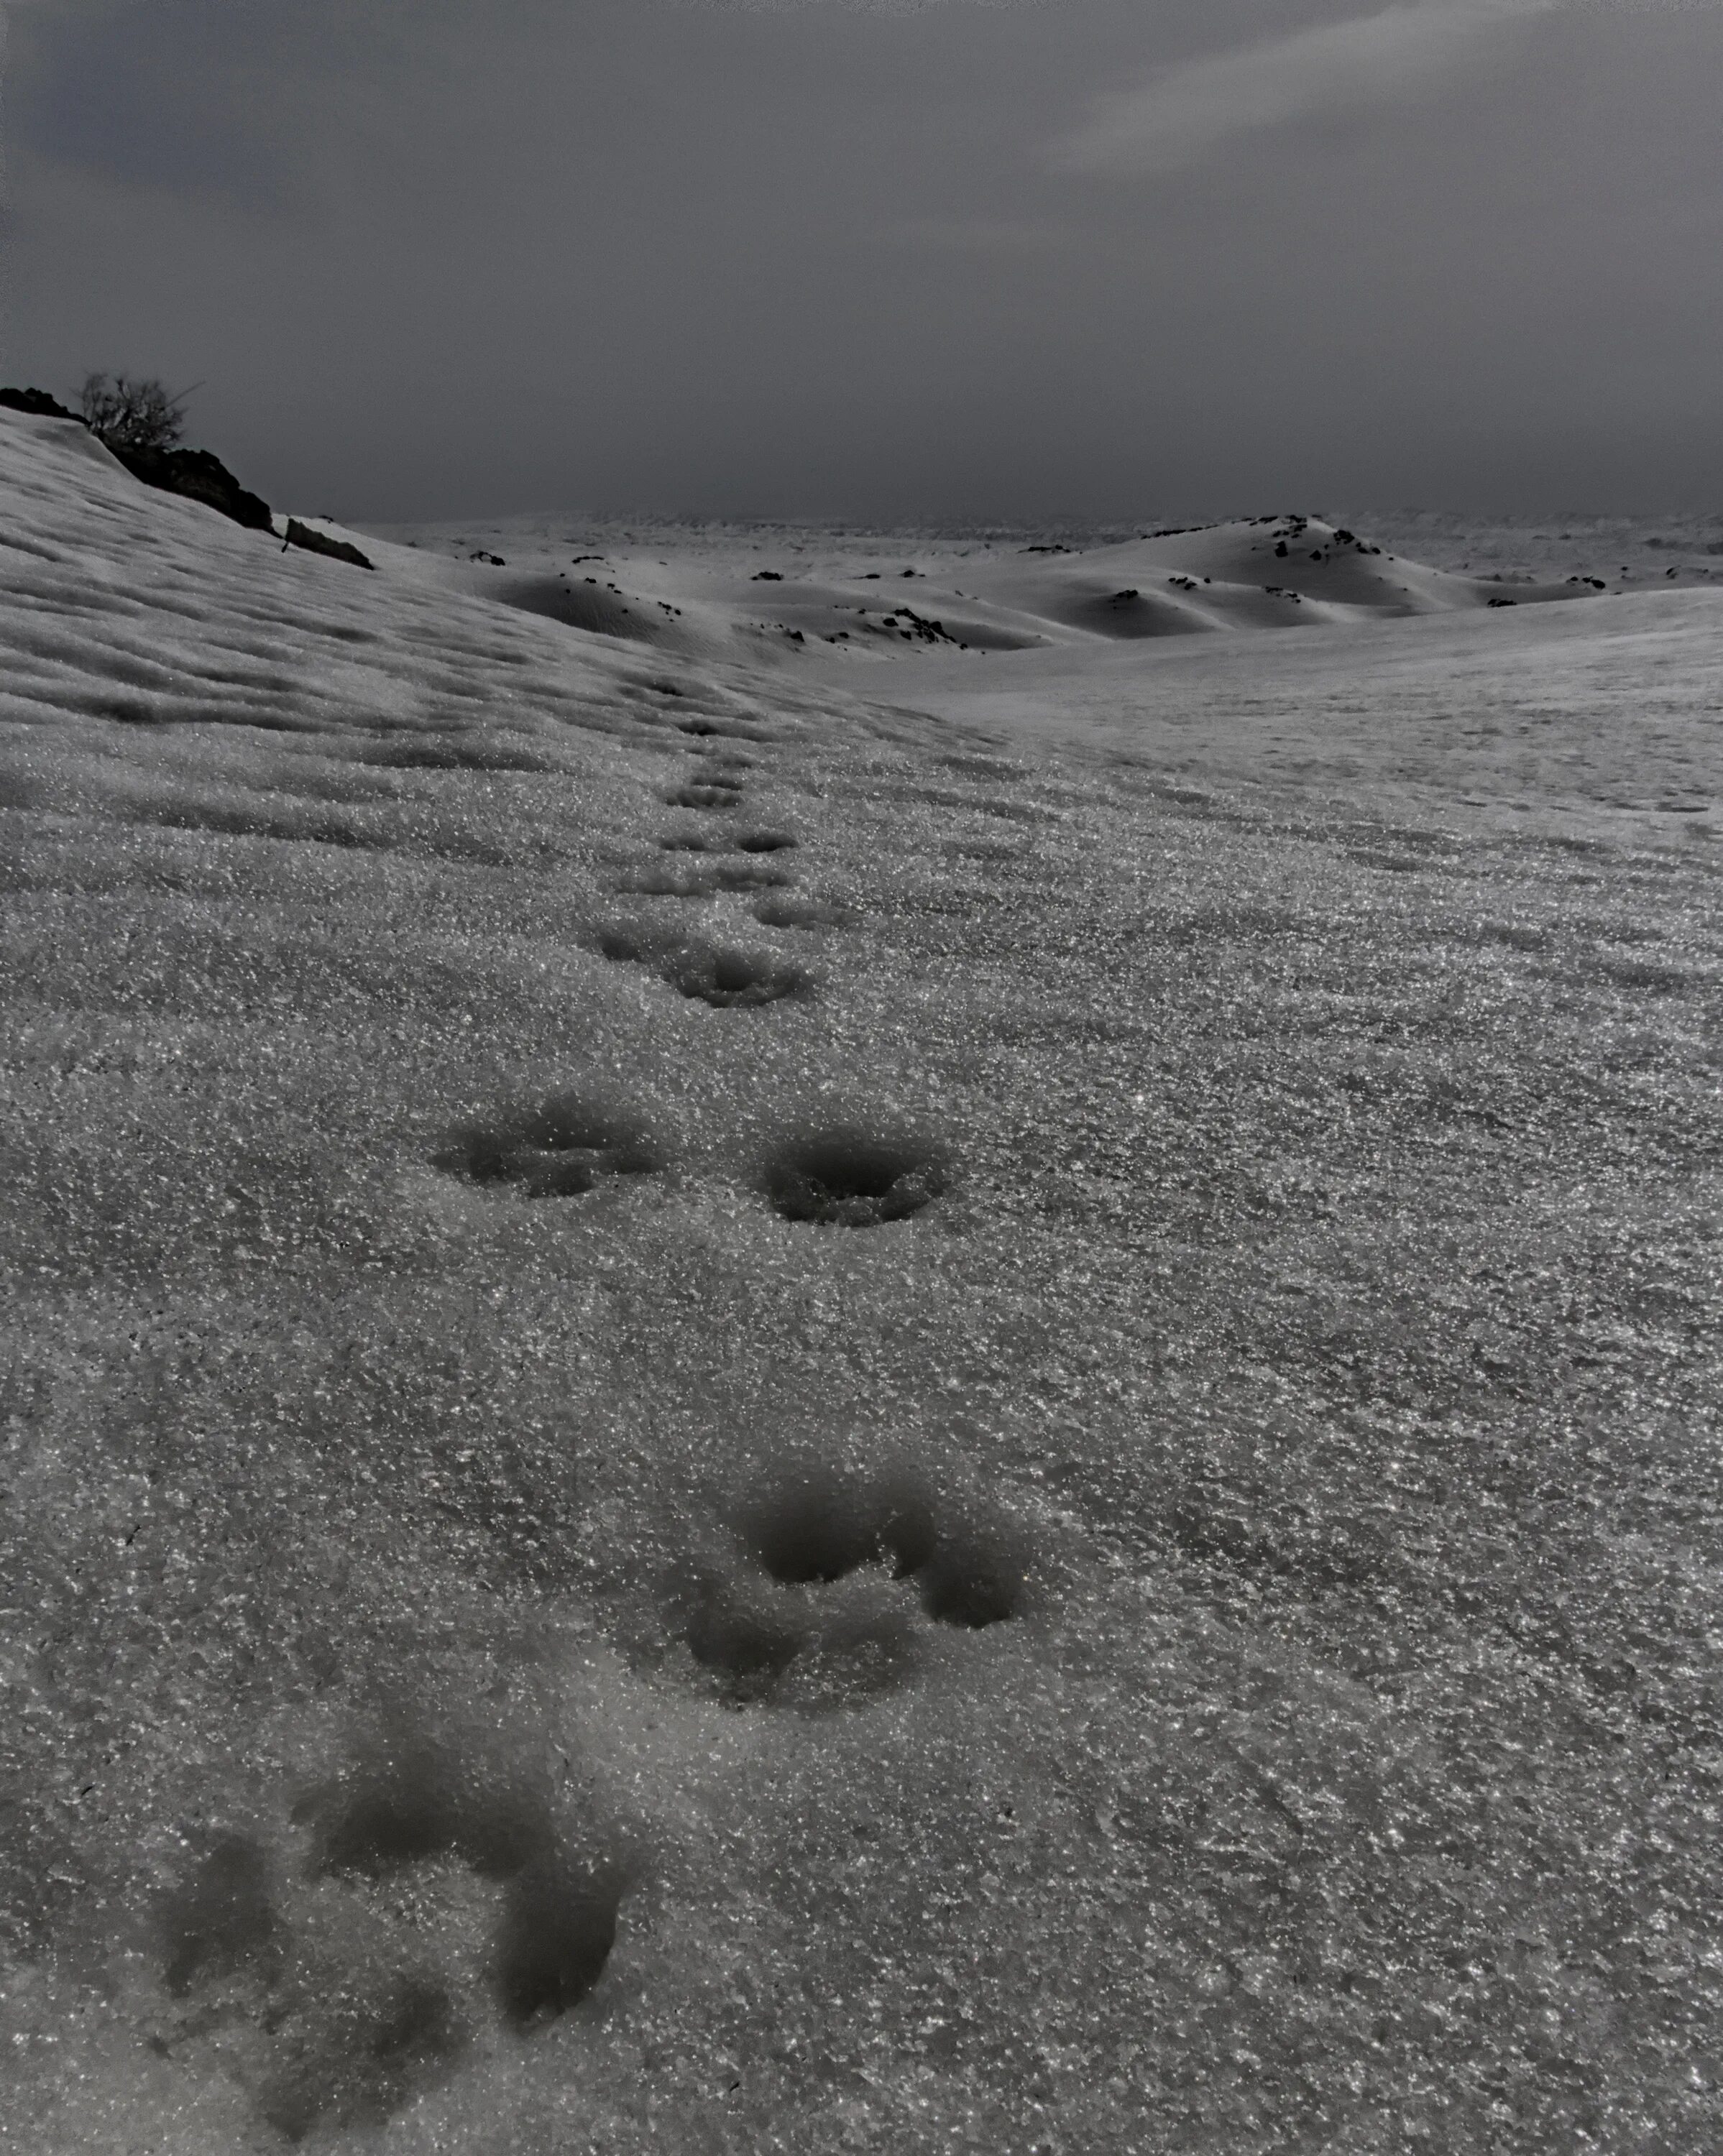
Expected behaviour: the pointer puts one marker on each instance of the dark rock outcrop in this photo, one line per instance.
(199, 476)
(319, 543)
(36, 403)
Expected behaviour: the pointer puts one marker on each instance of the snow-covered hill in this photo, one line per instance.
(740, 1416)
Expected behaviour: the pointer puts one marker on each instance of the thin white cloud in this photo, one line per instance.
(1182, 116)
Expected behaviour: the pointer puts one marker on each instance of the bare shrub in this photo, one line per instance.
(127, 414)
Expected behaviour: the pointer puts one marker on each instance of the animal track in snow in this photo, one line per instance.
(707, 794)
(432, 1887)
(416, 1803)
(353, 2055)
(749, 842)
(849, 1177)
(704, 882)
(708, 972)
(708, 729)
(819, 1528)
(829, 1579)
(409, 1799)
(559, 1149)
(220, 1918)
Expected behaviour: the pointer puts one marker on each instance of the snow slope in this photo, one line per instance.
(1601, 719)
(737, 1419)
(787, 595)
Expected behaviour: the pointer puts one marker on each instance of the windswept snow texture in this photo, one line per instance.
(754, 1403)
(834, 597)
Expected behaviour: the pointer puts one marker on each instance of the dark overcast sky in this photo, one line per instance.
(963, 259)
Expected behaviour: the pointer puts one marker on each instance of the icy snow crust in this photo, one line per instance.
(737, 1419)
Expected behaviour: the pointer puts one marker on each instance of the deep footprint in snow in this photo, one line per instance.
(823, 1597)
(846, 1176)
(704, 882)
(706, 793)
(749, 842)
(750, 876)
(349, 2055)
(329, 1993)
(409, 1799)
(220, 1919)
(720, 729)
(559, 1149)
(708, 973)
(415, 1802)
(819, 1527)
